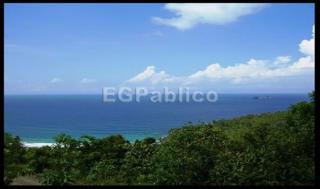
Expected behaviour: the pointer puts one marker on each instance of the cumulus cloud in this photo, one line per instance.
(307, 46)
(282, 60)
(237, 73)
(262, 69)
(87, 80)
(189, 15)
(150, 75)
(55, 80)
(252, 71)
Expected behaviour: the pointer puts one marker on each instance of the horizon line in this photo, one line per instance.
(35, 94)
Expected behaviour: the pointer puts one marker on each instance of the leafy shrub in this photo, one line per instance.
(50, 177)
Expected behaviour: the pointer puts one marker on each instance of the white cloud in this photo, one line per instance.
(252, 71)
(150, 75)
(259, 69)
(282, 60)
(148, 72)
(87, 80)
(189, 15)
(307, 48)
(237, 73)
(56, 80)
(304, 63)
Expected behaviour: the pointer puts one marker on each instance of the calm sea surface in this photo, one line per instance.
(37, 118)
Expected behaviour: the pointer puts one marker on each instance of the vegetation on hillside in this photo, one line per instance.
(267, 149)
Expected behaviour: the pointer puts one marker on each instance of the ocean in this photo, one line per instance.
(36, 119)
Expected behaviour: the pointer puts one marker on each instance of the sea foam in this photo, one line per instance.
(37, 144)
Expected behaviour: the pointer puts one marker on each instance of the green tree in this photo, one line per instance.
(13, 157)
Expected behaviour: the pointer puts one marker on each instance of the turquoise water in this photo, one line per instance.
(37, 118)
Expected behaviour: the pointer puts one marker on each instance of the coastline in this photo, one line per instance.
(41, 144)
(36, 144)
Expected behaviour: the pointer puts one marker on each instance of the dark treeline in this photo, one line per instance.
(267, 149)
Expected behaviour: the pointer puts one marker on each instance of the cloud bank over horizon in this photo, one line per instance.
(253, 71)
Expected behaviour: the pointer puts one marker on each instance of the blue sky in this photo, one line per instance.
(80, 48)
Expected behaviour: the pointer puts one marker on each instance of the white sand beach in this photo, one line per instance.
(36, 144)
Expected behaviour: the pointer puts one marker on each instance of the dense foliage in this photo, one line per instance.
(267, 149)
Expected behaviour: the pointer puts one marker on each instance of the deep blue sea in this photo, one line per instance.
(37, 118)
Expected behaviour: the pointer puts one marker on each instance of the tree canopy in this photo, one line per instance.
(266, 149)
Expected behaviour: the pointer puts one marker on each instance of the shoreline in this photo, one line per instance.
(41, 144)
(37, 144)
